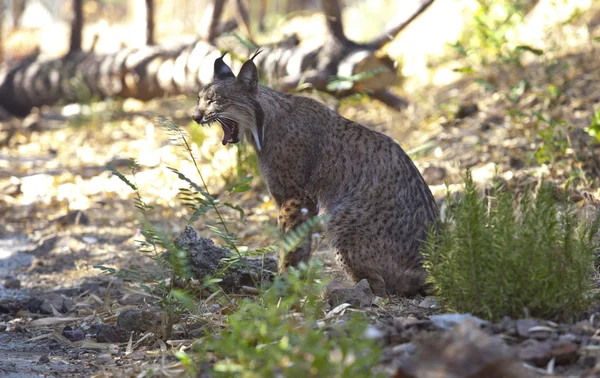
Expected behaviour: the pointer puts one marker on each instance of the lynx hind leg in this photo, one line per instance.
(292, 213)
(361, 271)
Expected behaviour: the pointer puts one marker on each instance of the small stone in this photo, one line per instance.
(59, 302)
(434, 175)
(466, 110)
(44, 359)
(139, 320)
(524, 328)
(104, 359)
(360, 295)
(516, 163)
(109, 333)
(540, 353)
(133, 299)
(464, 351)
(403, 322)
(429, 303)
(373, 333)
(74, 217)
(73, 334)
(589, 362)
(448, 321)
(137, 355)
(12, 283)
(405, 349)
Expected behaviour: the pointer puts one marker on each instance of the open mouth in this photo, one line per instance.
(230, 131)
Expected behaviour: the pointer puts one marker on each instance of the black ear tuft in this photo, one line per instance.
(258, 51)
(248, 75)
(222, 70)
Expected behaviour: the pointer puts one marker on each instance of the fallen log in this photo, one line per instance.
(337, 66)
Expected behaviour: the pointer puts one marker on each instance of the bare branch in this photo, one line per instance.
(333, 14)
(210, 20)
(95, 40)
(262, 12)
(243, 18)
(76, 27)
(390, 99)
(401, 21)
(2, 6)
(150, 22)
(310, 79)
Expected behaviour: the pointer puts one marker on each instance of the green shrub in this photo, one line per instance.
(283, 335)
(498, 256)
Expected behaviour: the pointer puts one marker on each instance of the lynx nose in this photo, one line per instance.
(198, 116)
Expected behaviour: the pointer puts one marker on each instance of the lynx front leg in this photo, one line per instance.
(292, 213)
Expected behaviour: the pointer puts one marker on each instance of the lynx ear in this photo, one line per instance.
(248, 75)
(222, 70)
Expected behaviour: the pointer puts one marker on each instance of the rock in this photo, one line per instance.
(465, 351)
(205, 259)
(448, 321)
(533, 328)
(73, 334)
(133, 299)
(139, 320)
(74, 217)
(405, 349)
(403, 322)
(373, 333)
(429, 303)
(104, 359)
(540, 353)
(516, 163)
(59, 302)
(12, 283)
(466, 110)
(434, 175)
(109, 333)
(11, 306)
(360, 295)
(44, 359)
(3, 327)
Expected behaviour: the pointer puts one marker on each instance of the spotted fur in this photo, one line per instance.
(316, 161)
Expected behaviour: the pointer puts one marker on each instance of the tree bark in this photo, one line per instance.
(243, 18)
(150, 22)
(211, 19)
(333, 17)
(2, 6)
(18, 7)
(76, 27)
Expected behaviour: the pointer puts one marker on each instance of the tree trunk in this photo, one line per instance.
(2, 6)
(76, 27)
(150, 22)
(210, 20)
(18, 7)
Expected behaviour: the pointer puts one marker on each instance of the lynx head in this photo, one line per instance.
(232, 103)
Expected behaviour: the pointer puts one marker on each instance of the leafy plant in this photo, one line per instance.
(172, 266)
(282, 335)
(594, 128)
(554, 140)
(515, 256)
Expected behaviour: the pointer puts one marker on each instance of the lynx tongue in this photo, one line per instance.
(229, 129)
